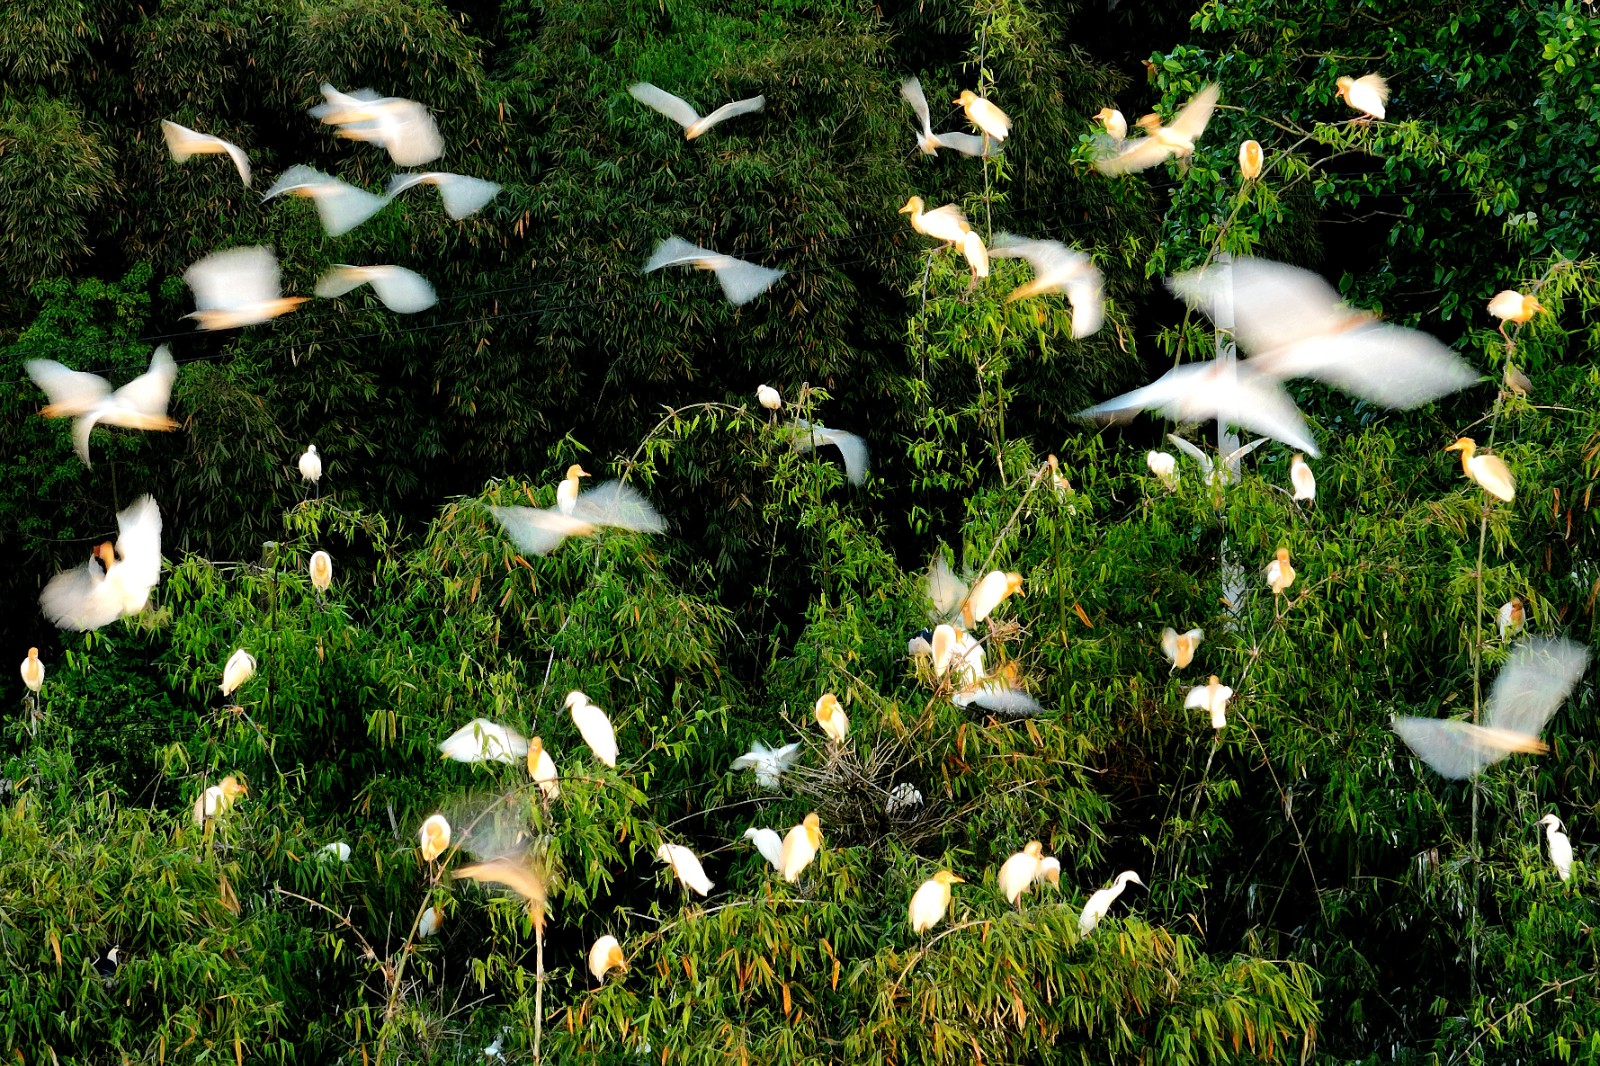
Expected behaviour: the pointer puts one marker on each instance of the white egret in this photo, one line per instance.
(542, 768)
(33, 671)
(237, 287)
(1250, 160)
(1489, 471)
(768, 843)
(605, 956)
(800, 846)
(1216, 473)
(945, 223)
(831, 717)
(404, 127)
(1509, 305)
(1163, 465)
(984, 115)
(185, 143)
(1560, 845)
(1115, 125)
(1301, 477)
(741, 281)
(429, 923)
(1280, 572)
(1367, 94)
(434, 836)
(1213, 697)
(402, 291)
(88, 400)
(1000, 693)
(340, 851)
(1511, 616)
(1229, 390)
(1018, 872)
(481, 740)
(1101, 902)
(768, 763)
(114, 583)
(929, 142)
(950, 596)
(1178, 647)
(903, 799)
(567, 491)
(852, 449)
(241, 667)
(594, 727)
(310, 465)
(1049, 871)
(611, 503)
(930, 902)
(218, 799)
(768, 397)
(680, 111)
(462, 196)
(1057, 268)
(1163, 142)
(686, 866)
(321, 570)
(341, 206)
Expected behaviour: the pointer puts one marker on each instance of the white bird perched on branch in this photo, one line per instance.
(1511, 617)
(310, 464)
(1489, 471)
(605, 956)
(237, 287)
(1301, 477)
(542, 768)
(1101, 902)
(1215, 473)
(321, 570)
(1057, 268)
(341, 206)
(931, 900)
(115, 582)
(800, 846)
(768, 763)
(1018, 873)
(852, 449)
(1560, 845)
(404, 127)
(1280, 572)
(217, 799)
(403, 291)
(968, 144)
(831, 717)
(945, 223)
(240, 668)
(594, 727)
(613, 504)
(741, 281)
(686, 866)
(683, 113)
(768, 397)
(1368, 94)
(460, 194)
(984, 115)
(768, 843)
(33, 671)
(434, 836)
(88, 399)
(1115, 125)
(429, 923)
(185, 143)
(1161, 141)
(951, 597)
(1213, 697)
(481, 740)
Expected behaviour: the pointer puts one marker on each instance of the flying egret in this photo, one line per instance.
(768, 843)
(403, 127)
(1101, 902)
(1279, 572)
(1000, 693)
(1560, 845)
(1018, 872)
(33, 671)
(310, 465)
(768, 397)
(1216, 473)
(680, 111)
(831, 717)
(1250, 159)
(768, 763)
(185, 143)
(800, 846)
(685, 866)
(929, 142)
(542, 768)
(984, 115)
(1229, 390)
(341, 206)
(605, 956)
(237, 287)
(434, 836)
(610, 503)
(594, 727)
(741, 281)
(88, 400)
(1213, 696)
(1489, 471)
(462, 196)
(114, 583)
(481, 740)
(1116, 126)
(321, 570)
(1057, 268)
(1367, 94)
(1163, 465)
(429, 923)
(1537, 676)
(524, 873)
(402, 291)
(1510, 617)
(930, 902)
(241, 667)
(1179, 647)
(1303, 480)
(809, 436)
(1162, 142)
(218, 799)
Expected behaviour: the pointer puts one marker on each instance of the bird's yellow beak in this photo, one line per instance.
(954, 880)
(1461, 445)
(909, 207)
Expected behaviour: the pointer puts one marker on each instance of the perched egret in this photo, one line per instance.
(400, 290)
(741, 281)
(1280, 572)
(1018, 872)
(954, 652)
(1509, 305)
(1560, 845)
(310, 465)
(610, 503)
(950, 595)
(1367, 94)
(1220, 472)
(984, 115)
(434, 836)
(33, 671)
(1101, 902)
(594, 727)
(1213, 696)
(461, 195)
(768, 397)
(1179, 647)
(929, 142)
(903, 799)
(768, 763)
(1049, 871)
(685, 866)
(88, 400)
(931, 901)
(768, 843)
(945, 223)
(341, 206)
(1489, 471)
(542, 768)
(1516, 381)
(1063, 486)
(800, 846)
(605, 956)
(1163, 142)
(321, 570)
(340, 851)
(1199, 392)
(219, 798)
(429, 923)
(852, 449)
(680, 111)
(1116, 126)
(1536, 678)
(1510, 617)
(1301, 477)
(185, 143)
(1057, 268)
(567, 491)
(481, 740)
(831, 717)
(237, 287)
(403, 127)
(1250, 160)
(241, 667)
(1163, 465)
(115, 582)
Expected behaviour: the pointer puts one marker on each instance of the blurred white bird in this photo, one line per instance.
(1101, 902)
(1304, 481)
(852, 449)
(951, 597)
(237, 287)
(1057, 268)
(462, 196)
(1018, 872)
(611, 503)
(800, 846)
(429, 923)
(1000, 693)
(956, 653)
(967, 144)
(219, 798)
(402, 291)
(679, 110)
(1049, 871)
(1367, 94)
(685, 866)
(341, 206)
(741, 281)
(88, 399)
(542, 768)
(1560, 845)
(981, 113)
(434, 836)
(1164, 466)
(241, 667)
(310, 464)
(768, 763)
(1280, 572)
(1510, 617)
(1489, 471)
(903, 798)
(768, 397)
(1294, 325)
(594, 727)
(404, 127)
(605, 956)
(831, 717)
(114, 583)
(185, 143)
(1178, 647)
(931, 900)
(33, 671)
(481, 740)
(340, 851)
(1215, 473)
(1213, 697)
(524, 872)
(1162, 142)
(321, 570)
(768, 843)
(1537, 676)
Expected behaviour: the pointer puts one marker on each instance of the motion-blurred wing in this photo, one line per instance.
(71, 392)
(741, 281)
(1142, 153)
(1536, 678)
(78, 599)
(139, 544)
(733, 110)
(233, 278)
(1384, 364)
(612, 503)
(1454, 749)
(675, 251)
(946, 591)
(1192, 452)
(851, 447)
(538, 530)
(911, 93)
(150, 392)
(1191, 121)
(1274, 305)
(970, 144)
(461, 195)
(1195, 392)
(674, 107)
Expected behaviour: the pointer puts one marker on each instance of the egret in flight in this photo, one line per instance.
(115, 582)
(680, 111)
(88, 400)
(185, 143)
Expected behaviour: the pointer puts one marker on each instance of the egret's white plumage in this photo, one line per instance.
(429, 923)
(1368, 94)
(680, 111)
(831, 717)
(185, 143)
(686, 866)
(950, 596)
(1510, 617)
(984, 115)
(340, 851)
(33, 671)
(1057, 268)
(434, 836)
(1509, 305)
(218, 799)
(967, 144)
(1049, 871)
(594, 727)
(741, 281)
(1212, 697)
(611, 503)
(1018, 872)
(1301, 477)
(1116, 126)
(321, 570)
(1000, 693)
(241, 667)
(1280, 572)
(1489, 471)
(1163, 142)
(903, 798)
(1560, 845)
(800, 846)
(403, 291)
(852, 449)
(237, 287)
(88, 399)
(542, 768)
(768, 763)
(930, 902)
(1101, 902)
(768, 397)
(605, 956)
(114, 583)
(404, 127)
(1178, 647)
(481, 740)
(1163, 465)
(945, 223)
(341, 206)
(1216, 472)
(310, 464)
(460, 194)
(567, 491)
(768, 843)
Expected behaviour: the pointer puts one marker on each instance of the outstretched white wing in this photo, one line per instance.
(674, 107)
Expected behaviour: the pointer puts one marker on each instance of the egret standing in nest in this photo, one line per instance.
(800, 846)
(1019, 871)
(831, 717)
(680, 111)
(1178, 647)
(931, 901)
(1560, 845)
(950, 595)
(115, 582)
(88, 400)
(1101, 902)
(1489, 471)
(1367, 94)
(594, 727)
(434, 836)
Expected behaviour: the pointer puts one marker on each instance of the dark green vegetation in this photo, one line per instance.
(1314, 892)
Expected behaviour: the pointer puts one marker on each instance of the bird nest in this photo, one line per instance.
(870, 797)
